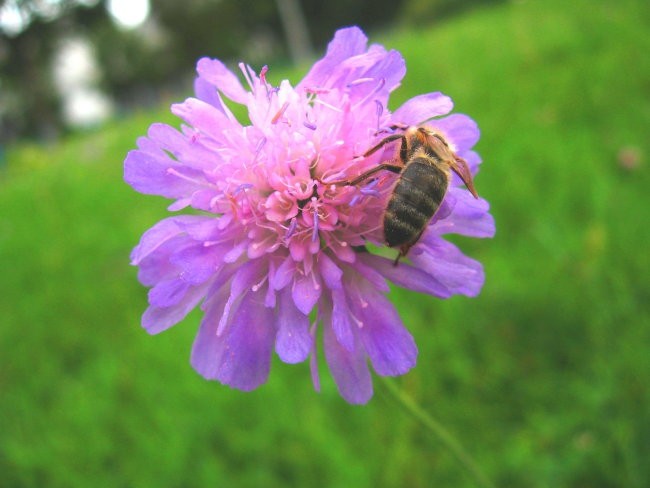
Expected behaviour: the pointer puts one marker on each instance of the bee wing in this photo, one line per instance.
(439, 145)
(460, 167)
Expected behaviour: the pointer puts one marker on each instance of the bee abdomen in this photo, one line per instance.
(415, 199)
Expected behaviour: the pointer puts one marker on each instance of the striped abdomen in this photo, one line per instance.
(416, 197)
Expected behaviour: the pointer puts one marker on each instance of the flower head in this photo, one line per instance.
(277, 252)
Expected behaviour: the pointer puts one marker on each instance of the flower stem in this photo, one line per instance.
(437, 429)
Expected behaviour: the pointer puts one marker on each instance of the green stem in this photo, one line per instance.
(436, 428)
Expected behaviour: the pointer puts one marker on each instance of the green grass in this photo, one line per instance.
(544, 377)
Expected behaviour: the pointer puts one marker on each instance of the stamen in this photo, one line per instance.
(260, 144)
(355, 319)
(359, 81)
(242, 187)
(252, 75)
(309, 125)
(314, 234)
(263, 72)
(244, 69)
(257, 286)
(215, 200)
(372, 93)
(258, 244)
(264, 82)
(380, 110)
(277, 116)
(313, 280)
(339, 175)
(292, 228)
(317, 91)
(370, 189)
(314, 163)
(172, 171)
(332, 107)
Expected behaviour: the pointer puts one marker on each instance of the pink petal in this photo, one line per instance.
(216, 73)
(347, 42)
(203, 117)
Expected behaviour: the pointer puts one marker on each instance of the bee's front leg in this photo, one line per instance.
(389, 165)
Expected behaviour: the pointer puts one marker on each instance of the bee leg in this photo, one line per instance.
(389, 166)
(403, 250)
(382, 143)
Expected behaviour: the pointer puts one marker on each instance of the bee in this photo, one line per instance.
(424, 164)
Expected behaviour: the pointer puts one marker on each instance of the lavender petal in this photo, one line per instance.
(293, 342)
(421, 108)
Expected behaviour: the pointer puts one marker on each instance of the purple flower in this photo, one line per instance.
(274, 253)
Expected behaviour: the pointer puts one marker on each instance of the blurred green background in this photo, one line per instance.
(544, 377)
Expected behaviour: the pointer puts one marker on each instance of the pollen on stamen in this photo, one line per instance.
(280, 113)
(317, 91)
(263, 72)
